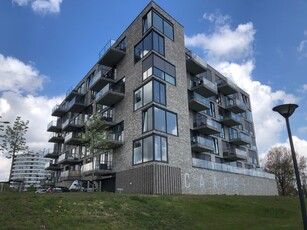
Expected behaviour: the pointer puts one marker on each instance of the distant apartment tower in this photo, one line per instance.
(29, 169)
(176, 125)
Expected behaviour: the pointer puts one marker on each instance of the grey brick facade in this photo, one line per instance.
(204, 144)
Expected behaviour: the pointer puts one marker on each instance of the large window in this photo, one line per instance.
(160, 120)
(153, 41)
(154, 19)
(151, 148)
(154, 65)
(152, 91)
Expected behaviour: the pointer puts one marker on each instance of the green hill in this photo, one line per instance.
(119, 211)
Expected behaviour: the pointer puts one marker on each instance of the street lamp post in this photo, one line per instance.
(286, 111)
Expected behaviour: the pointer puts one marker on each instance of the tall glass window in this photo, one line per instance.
(151, 148)
(156, 20)
(160, 119)
(157, 66)
(152, 91)
(153, 41)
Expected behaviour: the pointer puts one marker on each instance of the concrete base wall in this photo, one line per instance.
(202, 181)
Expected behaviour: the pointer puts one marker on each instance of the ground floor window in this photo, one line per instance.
(151, 148)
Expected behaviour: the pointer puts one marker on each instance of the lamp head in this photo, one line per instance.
(285, 110)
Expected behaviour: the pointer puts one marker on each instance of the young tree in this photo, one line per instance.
(279, 162)
(95, 138)
(14, 140)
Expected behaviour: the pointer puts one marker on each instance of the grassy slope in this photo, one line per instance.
(117, 211)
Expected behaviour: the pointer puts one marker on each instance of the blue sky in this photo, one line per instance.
(47, 46)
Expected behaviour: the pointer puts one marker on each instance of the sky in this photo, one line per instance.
(47, 46)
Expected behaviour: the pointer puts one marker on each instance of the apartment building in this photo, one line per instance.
(29, 170)
(176, 125)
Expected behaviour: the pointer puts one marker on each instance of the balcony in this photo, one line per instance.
(194, 63)
(204, 87)
(72, 92)
(202, 144)
(110, 94)
(54, 167)
(111, 55)
(56, 138)
(235, 154)
(58, 110)
(199, 163)
(68, 159)
(72, 125)
(72, 139)
(54, 154)
(239, 138)
(235, 105)
(54, 126)
(231, 119)
(98, 169)
(76, 105)
(227, 87)
(198, 102)
(101, 79)
(70, 175)
(115, 140)
(108, 119)
(207, 126)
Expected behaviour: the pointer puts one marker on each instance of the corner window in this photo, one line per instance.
(153, 41)
(155, 65)
(160, 120)
(156, 20)
(151, 148)
(152, 91)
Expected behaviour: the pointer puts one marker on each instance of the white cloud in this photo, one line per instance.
(21, 100)
(301, 49)
(19, 77)
(225, 43)
(231, 52)
(216, 18)
(41, 6)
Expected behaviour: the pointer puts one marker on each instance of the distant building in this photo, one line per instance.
(176, 125)
(29, 169)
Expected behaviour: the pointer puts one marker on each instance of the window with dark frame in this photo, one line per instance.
(150, 148)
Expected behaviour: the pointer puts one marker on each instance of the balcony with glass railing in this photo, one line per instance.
(72, 138)
(54, 167)
(56, 138)
(194, 63)
(101, 79)
(52, 153)
(98, 168)
(235, 105)
(201, 144)
(239, 138)
(58, 110)
(199, 163)
(112, 53)
(203, 86)
(68, 158)
(72, 125)
(70, 175)
(76, 105)
(227, 86)
(230, 119)
(233, 153)
(198, 102)
(73, 92)
(111, 94)
(207, 126)
(54, 126)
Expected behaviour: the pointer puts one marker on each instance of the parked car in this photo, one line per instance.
(41, 190)
(57, 189)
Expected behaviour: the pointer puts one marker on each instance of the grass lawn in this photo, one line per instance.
(119, 211)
